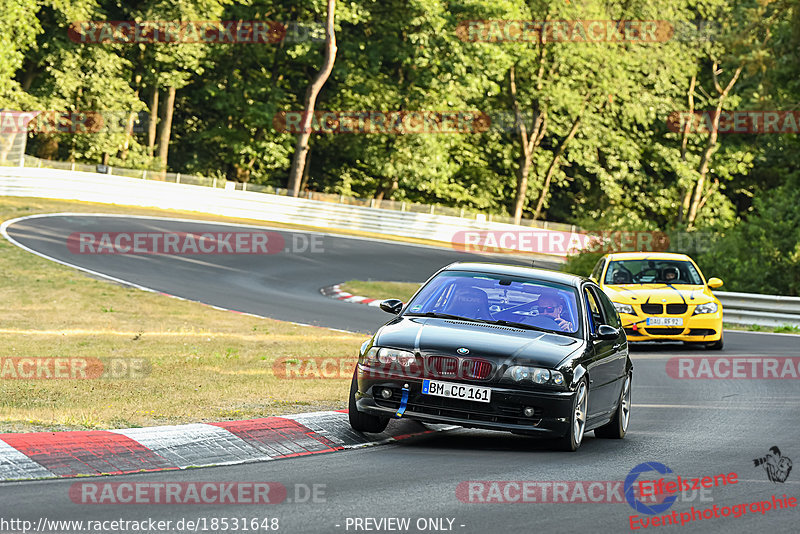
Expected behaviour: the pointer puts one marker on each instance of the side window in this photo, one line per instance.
(598, 270)
(612, 317)
(596, 317)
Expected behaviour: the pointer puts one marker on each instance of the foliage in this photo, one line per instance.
(623, 168)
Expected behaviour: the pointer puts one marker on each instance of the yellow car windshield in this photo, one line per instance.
(652, 272)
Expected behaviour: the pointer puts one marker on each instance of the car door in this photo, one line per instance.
(598, 270)
(601, 363)
(618, 360)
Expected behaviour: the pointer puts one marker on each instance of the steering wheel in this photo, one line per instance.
(544, 321)
(638, 276)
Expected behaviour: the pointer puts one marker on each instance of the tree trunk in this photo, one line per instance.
(166, 129)
(30, 74)
(554, 164)
(301, 148)
(151, 132)
(705, 161)
(306, 170)
(527, 144)
(522, 186)
(131, 119)
(684, 208)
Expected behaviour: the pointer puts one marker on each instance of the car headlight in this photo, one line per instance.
(624, 308)
(371, 357)
(388, 356)
(708, 307)
(541, 376)
(519, 373)
(537, 375)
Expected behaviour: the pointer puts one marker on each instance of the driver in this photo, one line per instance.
(670, 274)
(550, 306)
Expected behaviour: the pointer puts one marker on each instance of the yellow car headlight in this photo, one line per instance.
(624, 308)
(708, 307)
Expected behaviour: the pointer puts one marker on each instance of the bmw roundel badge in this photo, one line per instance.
(462, 350)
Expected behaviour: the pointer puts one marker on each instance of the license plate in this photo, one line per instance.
(456, 391)
(664, 321)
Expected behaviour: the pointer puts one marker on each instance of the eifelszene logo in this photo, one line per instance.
(777, 467)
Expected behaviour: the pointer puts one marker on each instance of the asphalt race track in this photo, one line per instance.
(282, 285)
(697, 428)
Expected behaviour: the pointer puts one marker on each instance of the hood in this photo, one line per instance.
(492, 342)
(658, 293)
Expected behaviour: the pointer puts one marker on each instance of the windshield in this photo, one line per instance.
(498, 299)
(652, 272)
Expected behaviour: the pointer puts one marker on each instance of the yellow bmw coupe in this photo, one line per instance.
(662, 297)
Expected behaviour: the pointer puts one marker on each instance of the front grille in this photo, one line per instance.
(664, 331)
(443, 365)
(456, 408)
(676, 309)
(477, 369)
(702, 332)
(652, 309)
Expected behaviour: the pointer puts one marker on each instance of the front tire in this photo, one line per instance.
(618, 426)
(716, 345)
(363, 422)
(577, 428)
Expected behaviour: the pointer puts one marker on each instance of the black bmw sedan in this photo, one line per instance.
(499, 347)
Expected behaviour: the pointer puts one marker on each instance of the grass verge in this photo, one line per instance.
(380, 290)
(203, 364)
(785, 329)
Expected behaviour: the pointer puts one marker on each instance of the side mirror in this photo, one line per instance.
(714, 283)
(607, 332)
(392, 306)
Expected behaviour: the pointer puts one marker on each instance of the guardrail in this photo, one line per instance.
(219, 181)
(105, 188)
(764, 310)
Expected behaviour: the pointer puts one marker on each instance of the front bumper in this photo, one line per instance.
(553, 409)
(704, 327)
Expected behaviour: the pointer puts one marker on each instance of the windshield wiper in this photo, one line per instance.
(501, 322)
(443, 316)
(524, 326)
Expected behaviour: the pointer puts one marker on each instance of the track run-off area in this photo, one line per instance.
(696, 427)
